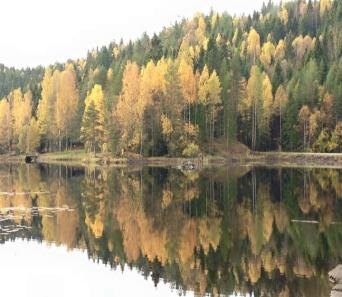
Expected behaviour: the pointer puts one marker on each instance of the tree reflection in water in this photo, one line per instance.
(267, 232)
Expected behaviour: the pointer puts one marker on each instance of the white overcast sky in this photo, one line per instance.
(41, 32)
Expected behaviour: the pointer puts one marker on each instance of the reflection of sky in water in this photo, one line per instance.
(36, 269)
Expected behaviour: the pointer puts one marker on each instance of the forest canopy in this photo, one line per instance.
(270, 80)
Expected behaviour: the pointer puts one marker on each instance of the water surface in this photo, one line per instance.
(69, 231)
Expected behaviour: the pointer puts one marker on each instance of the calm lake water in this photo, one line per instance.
(69, 231)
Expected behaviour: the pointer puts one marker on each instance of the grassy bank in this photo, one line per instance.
(294, 159)
(282, 159)
(81, 157)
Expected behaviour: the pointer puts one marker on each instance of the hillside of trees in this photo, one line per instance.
(271, 80)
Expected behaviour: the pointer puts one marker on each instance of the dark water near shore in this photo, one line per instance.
(164, 232)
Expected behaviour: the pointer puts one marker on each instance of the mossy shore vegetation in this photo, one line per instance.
(247, 158)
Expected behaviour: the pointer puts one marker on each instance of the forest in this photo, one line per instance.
(270, 80)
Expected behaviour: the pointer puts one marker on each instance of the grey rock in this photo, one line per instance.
(336, 291)
(335, 275)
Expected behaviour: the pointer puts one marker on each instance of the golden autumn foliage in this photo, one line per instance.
(127, 111)
(45, 106)
(203, 85)
(253, 45)
(280, 50)
(21, 109)
(29, 138)
(67, 101)
(166, 125)
(296, 43)
(283, 15)
(325, 5)
(302, 45)
(93, 122)
(188, 82)
(5, 125)
(267, 100)
(267, 54)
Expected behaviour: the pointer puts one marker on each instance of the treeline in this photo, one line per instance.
(271, 80)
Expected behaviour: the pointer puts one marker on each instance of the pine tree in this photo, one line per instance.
(213, 102)
(254, 94)
(93, 130)
(88, 129)
(279, 106)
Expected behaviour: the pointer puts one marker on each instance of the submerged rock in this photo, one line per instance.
(335, 276)
(189, 165)
(29, 159)
(336, 291)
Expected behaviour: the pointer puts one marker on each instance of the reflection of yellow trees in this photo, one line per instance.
(131, 239)
(336, 182)
(202, 284)
(176, 236)
(139, 235)
(209, 233)
(304, 204)
(126, 214)
(167, 198)
(159, 221)
(188, 241)
(20, 183)
(268, 260)
(281, 218)
(190, 185)
(58, 227)
(66, 221)
(95, 225)
(281, 259)
(94, 189)
(26, 189)
(5, 202)
(24, 204)
(258, 223)
(268, 218)
(127, 218)
(320, 187)
(254, 269)
(176, 221)
(285, 292)
(153, 240)
(302, 268)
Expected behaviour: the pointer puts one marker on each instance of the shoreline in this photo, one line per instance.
(268, 159)
(294, 159)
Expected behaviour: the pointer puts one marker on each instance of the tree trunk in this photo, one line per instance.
(59, 140)
(189, 114)
(280, 128)
(254, 125)
(66, 139)
(227, 132)
(94, 139)
(152, 134)
(304, 135)
(195, 114)
(141, 137)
